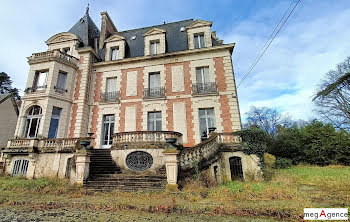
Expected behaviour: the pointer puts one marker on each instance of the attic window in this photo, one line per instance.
(133, 37)
(182, 29)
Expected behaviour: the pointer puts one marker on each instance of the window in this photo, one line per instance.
(114, 53)
(202, 74)
(199, 41)
(111, 84)
(66, 50)
(32, 122)
(154, 47)
(40, 81)
(206, 121)
(20, 167)
(55, 118)
(203, 84)
(107, 131)
(154, 80)
(154, 121)
(154, 89)
(61, 82)
(111, 93)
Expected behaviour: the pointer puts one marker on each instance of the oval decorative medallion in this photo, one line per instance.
(139, 161)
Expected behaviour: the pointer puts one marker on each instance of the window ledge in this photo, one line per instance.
(154, 98)
(205, 94)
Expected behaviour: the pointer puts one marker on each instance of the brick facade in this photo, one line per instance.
(87, 79)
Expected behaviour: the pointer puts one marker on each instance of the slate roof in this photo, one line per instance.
(175, 40)
(87, 30)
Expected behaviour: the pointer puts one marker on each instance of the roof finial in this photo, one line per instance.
(87, 9)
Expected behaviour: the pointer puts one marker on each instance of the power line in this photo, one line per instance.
(266, 46)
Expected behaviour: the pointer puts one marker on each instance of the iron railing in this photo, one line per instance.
(203, 88)
(110, 96)
(35, 89)
(155, 92)
(60, 90)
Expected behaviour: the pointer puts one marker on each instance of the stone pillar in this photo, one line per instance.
(32, 157)
(171, 164)
(82, 166)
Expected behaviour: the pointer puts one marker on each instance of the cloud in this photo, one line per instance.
(313, 41)
(288, 74)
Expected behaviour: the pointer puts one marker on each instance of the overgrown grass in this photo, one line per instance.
(283, 197)
(40, 185)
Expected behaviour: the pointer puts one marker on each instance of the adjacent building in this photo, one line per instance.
(8, 118)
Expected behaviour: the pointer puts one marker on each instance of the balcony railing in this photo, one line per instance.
(35, 89)
(156, 92)
(204, 88)
(60, 90)
(143, 139)
(44, 145)
(60, 144)
(44, 56)
(110, 97)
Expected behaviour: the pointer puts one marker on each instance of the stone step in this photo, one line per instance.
(130, 176)
(134, 184)
(122, 180)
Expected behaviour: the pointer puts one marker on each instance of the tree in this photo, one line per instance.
(6, 86)
(333, 96)
(267, 119)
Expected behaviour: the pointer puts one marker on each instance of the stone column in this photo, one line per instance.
(82, 166)
(171, 164)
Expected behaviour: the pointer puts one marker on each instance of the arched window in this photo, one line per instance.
(32, 122)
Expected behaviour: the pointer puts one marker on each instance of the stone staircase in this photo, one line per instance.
(126, 182)
(105, 175)
(102, 162)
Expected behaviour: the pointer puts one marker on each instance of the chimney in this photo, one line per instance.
(107, 28)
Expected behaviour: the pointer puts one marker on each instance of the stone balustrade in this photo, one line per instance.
(146, 136)
(229, 137)
(52, 55)
(46, 145)
(21, 143)
(190, 156)
(60, 145)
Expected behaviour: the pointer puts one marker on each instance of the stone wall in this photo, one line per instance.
(119, 157)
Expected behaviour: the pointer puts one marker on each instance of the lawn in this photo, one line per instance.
(282, 198)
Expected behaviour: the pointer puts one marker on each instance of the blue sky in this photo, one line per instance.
(313, 41)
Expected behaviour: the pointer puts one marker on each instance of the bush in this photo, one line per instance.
(269, 160)
(282, 163)
(315, 143)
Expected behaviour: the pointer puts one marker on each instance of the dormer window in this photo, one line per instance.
(199, 41)
(115, 48)
(154, 47)
(154, 42)
(114, 53)
(198, 34)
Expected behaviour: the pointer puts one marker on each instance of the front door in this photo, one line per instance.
(107, 131)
